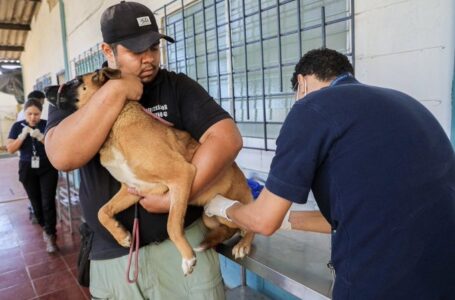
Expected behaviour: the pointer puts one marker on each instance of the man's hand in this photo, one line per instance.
(153, 203)
(25, 131)
(218, 206)
(35, 133)
(130, 86)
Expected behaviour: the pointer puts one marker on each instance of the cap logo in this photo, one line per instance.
(143, 21)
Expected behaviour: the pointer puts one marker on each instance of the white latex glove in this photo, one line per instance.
(25, 131)
(35, 133)
(218, 206)
(286, 225)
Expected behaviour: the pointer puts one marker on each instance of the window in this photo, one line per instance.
(243, 52)
(42, 82)
(87, 62)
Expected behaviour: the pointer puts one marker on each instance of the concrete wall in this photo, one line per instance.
(43, 48)
(409, 46)
(8, 113)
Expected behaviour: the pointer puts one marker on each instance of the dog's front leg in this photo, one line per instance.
(179, 193)
(121, 201)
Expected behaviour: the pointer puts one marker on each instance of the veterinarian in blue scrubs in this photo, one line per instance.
(36, 173)
(131, 44)
(383, 174)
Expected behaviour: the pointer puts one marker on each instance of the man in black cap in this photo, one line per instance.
(131, 44)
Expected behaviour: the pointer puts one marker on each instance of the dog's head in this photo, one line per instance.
(75, 93)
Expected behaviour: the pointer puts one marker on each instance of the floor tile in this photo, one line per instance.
(70, 293)
(11, 264)
(22, 291)
(68, 245)
(12, 278)
(54, 282)
(40, 257)
(86, 292)
(6, 254)
(71, 260)
(8, 239)
(28, 236)
(32, 246)
(46, 268)
(27, 271)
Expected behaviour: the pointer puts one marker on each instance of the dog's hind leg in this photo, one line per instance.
(179, 192)
(243, 247)
(216, 236)
(121, 201)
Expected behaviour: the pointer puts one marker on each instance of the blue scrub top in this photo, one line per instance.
(383, 173)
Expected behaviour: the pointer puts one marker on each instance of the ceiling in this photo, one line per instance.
(15, 19)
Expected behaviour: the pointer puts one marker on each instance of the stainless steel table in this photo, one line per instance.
(296, 261)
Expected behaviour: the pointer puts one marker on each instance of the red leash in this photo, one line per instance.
(134, 247)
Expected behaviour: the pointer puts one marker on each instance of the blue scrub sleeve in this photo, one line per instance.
(302, 146)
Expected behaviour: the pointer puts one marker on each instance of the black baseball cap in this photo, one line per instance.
(132, 25)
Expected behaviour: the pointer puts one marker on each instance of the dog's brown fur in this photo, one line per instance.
(159, 159)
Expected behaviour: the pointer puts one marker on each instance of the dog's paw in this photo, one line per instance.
(126, 241)
(188, 265)
(241, 250)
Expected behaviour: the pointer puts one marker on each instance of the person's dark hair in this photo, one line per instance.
(324, 63)
(36, 95)
(33, 102)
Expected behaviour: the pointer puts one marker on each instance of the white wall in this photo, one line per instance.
(409, 46)
(8, 112)
(43, 49)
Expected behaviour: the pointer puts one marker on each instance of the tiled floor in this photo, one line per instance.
(27, 271)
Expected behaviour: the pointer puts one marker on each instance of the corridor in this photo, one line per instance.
(27, 271)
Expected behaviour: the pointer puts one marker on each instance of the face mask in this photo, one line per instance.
(305, 90)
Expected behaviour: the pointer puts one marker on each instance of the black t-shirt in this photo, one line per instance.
(26, 150)
(177, 99)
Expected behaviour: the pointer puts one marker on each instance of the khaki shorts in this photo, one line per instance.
(160, 273)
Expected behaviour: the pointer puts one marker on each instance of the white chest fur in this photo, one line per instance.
(121, 171)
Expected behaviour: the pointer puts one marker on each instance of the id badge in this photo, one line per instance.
(35, 162)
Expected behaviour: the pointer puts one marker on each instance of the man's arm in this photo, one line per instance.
(220, 144)
(309, 221)
(264, 216)
(76, 139)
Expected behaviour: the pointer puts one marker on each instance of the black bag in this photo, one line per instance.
(83, 261)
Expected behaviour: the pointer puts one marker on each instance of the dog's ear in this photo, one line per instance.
(51, 92)
(104, 74)
(111, 73)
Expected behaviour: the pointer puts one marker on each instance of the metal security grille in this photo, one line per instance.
(42, 82)
(88, 61)
(244, 52)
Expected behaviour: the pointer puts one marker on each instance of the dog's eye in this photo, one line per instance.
(84, 87)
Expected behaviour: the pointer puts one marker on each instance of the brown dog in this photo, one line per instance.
(167, 168)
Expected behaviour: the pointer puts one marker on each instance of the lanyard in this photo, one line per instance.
(33, 147)
(340, 77)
